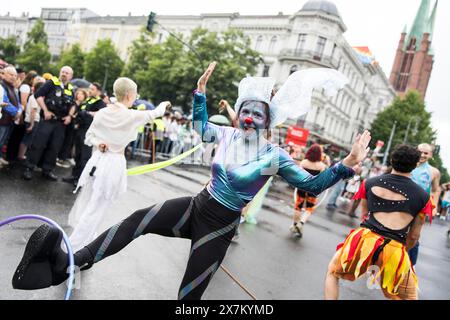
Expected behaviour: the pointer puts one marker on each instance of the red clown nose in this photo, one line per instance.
(249, 120)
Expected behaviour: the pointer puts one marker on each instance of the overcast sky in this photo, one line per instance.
(376, 24)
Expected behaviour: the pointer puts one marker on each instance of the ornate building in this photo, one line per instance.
(415, 57)
(310, 38)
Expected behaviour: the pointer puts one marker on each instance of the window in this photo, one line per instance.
(334, 51)
(266, 70)
(320, 48)
(294, 68)
(273, 43)
(259, 41)
(300, 43)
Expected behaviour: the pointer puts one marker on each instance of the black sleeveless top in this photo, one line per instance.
(415, 200)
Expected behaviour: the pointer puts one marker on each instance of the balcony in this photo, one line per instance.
(311, 56)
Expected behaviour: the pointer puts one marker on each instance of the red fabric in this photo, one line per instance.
(399, 265)
(354, 245)
(428, 209)
(375, 247)
(361, 194)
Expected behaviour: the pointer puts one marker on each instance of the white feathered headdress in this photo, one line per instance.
(294, 97)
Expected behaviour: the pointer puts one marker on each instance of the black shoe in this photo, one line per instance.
(28, 174)
(50, 176)
(36, 270)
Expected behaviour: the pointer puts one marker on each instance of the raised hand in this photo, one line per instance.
(223, 105)
(201, 84)
(359, 151)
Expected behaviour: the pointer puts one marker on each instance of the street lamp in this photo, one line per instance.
(414, 131)
(388, 148)
(152, 21)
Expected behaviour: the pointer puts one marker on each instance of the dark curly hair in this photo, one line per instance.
(405, 158)
(314, 153)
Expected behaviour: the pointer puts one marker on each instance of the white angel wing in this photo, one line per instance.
(294, 98)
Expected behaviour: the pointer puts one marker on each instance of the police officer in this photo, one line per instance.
(83, 119)
(56, 99)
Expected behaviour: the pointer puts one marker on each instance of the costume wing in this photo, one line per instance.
(294, 98)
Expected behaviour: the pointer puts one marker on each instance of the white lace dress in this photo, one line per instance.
(116, 126)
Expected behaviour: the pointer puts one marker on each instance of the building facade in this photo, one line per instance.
(414, 59)
(15, 27)
(310, 38)
(58, 25)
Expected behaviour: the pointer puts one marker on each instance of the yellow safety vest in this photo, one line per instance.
(67, 91)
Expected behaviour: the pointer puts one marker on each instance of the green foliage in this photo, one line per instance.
(170, 70)
(36, 35)
(73, 57)
(35, 55)
(9, 49)
(409, 111)
(103, 63)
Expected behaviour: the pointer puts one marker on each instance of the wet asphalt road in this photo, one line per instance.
(266, 258)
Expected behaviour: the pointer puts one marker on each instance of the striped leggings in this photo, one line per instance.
(208, 224)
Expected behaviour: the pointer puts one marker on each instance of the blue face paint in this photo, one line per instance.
(253, 119)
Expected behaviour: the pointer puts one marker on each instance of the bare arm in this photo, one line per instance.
(24, 100)
(436, 189)
(364, 209)
(414, 233)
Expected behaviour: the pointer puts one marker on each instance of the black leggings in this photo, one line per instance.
(202, 219)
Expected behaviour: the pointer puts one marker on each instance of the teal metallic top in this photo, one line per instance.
(236, 185)
(423, 176)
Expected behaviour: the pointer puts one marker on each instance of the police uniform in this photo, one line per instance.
(82, 122)
(49, 136)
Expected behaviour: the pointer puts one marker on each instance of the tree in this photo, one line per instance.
(36, 55)
(170, 70)
(413, 123)
(140, 53)
(73, 57)
(103, 64)
(9, 49)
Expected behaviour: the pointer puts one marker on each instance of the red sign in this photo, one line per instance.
(297, 136)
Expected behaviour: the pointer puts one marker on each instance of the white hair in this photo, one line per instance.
(68, 68)
(9, 69)
(123, 86)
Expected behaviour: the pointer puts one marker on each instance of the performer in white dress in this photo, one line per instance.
(104, 178)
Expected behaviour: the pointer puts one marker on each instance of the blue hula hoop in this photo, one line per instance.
(66, 242)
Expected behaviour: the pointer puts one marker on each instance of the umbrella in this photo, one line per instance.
(148, 105)
(220, 120)
(80, 83)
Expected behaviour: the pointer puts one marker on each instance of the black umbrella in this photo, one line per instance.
(80, 83)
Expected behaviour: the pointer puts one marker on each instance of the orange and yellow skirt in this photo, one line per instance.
(395, 273)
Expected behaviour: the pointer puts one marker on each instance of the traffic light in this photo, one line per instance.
(151, 21)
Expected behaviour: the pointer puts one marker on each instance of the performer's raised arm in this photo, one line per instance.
(301, 179)
(208, 132)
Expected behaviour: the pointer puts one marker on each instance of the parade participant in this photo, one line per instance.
(396, 209)
(305, 202)
(83, 119)
(210, 218)
(428, 178)
(56, 99)
(10, 107)
(104, 176)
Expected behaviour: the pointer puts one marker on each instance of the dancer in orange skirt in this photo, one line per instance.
(396, 209)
